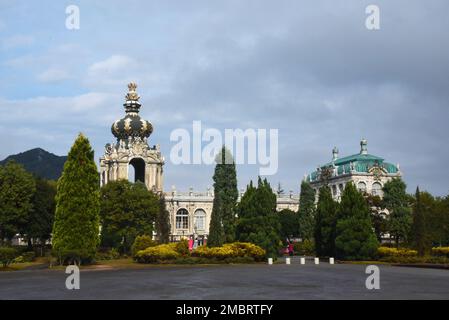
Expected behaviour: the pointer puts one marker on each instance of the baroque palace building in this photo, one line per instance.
(368, 172)
(190, 212)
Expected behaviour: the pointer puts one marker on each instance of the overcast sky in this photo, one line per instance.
(308, 68)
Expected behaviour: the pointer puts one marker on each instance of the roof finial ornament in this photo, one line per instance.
(334, 154)
(132, 94)
(363, 146)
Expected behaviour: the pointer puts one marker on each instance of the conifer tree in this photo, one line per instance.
(306, 211)
(397, 202)
(76, 226)
(163, 222)
(223, 221)
(325, 223)
(421, 239)
(258, 219)
(355, 237)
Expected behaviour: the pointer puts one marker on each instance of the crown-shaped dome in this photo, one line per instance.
(131, 125)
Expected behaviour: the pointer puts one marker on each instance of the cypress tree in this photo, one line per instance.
(325, 223)
(355, 237)
(216, 232)
(163, 222)
(223, 221)
(421, 238)
(76, 226)
(306, 211)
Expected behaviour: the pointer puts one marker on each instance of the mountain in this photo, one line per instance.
(40, 162)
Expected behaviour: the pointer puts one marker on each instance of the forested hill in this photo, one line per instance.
(40, 162)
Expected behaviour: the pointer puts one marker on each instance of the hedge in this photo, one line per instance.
(441, 252)
(179, 252)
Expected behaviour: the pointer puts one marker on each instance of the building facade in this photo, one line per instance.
(190, 212)
(368, 172)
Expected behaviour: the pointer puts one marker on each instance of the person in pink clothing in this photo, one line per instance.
(190, 243)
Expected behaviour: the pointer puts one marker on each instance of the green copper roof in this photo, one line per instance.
(357, 163)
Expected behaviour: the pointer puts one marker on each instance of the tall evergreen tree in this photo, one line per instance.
(355, 238)
(76, 226)
(258, 219)
(163, 222)
(225, 200)
(397, 202)
(325, 222)
(17, 188)
(306, 211)
(421, 236)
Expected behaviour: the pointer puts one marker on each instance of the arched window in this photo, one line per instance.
(199, 219)
(361, 186)
(377, 189)
(182, 219)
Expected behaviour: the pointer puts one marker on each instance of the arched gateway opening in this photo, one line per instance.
(136, 170)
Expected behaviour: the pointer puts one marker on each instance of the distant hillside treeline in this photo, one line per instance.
(40, 162)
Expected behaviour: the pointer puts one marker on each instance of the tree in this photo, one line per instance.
(325, 223)
(306, 211)
(17, 188)
(163, 222)
(127, 210)
(355, 238)
(378, 215)
(40, 220)
(288, 220)
(438, 223)
(223, 220)
(258, 220)
(424, 204)
(397, 202)
(76, 227)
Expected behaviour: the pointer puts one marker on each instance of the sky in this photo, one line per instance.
(310, 69)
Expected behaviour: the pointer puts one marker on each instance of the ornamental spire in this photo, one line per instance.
(132, 94)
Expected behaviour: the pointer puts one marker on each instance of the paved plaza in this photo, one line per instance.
(279, 281)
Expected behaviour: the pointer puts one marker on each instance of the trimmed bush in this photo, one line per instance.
(393, 252)
(231, 250)
(158, 253)
(28, 256)
(182, 247)
(141, 243)
(440, 252)
(7, 256)
(111, 254)
(304, 248)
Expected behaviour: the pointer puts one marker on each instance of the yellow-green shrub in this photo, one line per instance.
(401, 255)
(141, 243)
(231, 250)
(158, 253)
(441, 251)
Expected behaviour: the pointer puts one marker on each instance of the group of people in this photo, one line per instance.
(195, 243)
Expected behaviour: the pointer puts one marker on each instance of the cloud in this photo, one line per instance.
(312, 70)
(53, 75)
(17, 41)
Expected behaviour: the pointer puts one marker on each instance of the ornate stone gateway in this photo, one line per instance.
(131, 148)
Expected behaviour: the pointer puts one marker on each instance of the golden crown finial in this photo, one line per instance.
(132, 94)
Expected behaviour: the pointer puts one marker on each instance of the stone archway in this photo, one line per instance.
(139, 169)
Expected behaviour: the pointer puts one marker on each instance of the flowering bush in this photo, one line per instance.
(141, 243)
(158, 253)
(231, 250)
(441, 252)
(393, 252)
